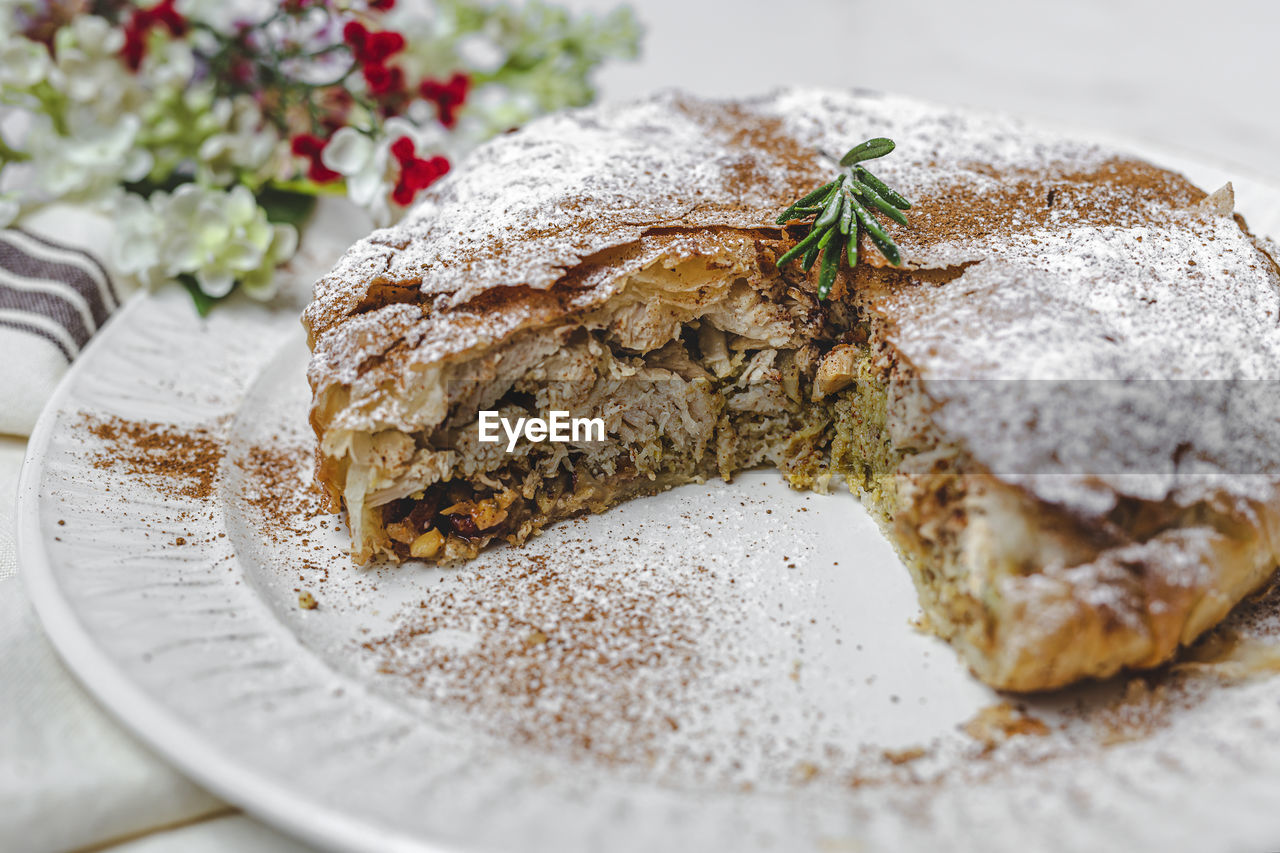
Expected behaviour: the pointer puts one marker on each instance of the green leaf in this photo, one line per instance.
(793, 213)
(813, 196)
(812, 255)
(810, 239)
(884, 192)
(869, 150)
(882, 241)
(286, 207)
(831, 212)
(887, 247)
(827, 275)
(203, 302)
(842, 210)
(880, 204)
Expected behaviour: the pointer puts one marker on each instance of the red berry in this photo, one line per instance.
(306, 145)
(440, 167)
(371, 48)
(402, 194)
(320, 173)
(311, 146)
(384, 80)
(415, 173)
(448, 96)
(379, 46)
(135, 45)
(165, 12)
(402, 150)
(355, 35)
(139, 25)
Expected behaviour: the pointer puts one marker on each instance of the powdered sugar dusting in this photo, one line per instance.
(1144, 358)
(1189, 297)
(934, 143)
(528, 207)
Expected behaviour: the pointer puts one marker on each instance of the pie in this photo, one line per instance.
(1057, 407)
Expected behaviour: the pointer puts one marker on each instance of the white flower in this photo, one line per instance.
(224, 237)
(140, 234)
(368, 167)
(217, 237)
(224, 15)
(260, 283)
(479, 52)
(168, 67)
(91, 158)
(245, 144)
(192, 114)
(89, 70)
(23, 63)
(363, 163)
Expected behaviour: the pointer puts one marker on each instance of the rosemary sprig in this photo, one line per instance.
(844, 209)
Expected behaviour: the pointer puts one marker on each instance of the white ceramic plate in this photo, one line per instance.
(723, 667)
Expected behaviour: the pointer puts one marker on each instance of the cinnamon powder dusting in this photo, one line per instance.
(642, 667)
(286, 508)
(177, 461)
(279, 485)
(598, 667)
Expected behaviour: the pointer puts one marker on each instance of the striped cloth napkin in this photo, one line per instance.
(53, 298)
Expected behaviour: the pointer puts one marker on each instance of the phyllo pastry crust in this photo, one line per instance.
(1058, 407)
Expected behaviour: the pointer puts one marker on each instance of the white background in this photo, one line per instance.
(1202, 76)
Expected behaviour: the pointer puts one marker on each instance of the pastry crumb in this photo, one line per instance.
(995, 724)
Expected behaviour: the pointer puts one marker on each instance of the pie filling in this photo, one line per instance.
(672, 416)
(702, 368)
(791, 383)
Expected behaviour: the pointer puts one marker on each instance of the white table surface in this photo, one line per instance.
(1195, 76)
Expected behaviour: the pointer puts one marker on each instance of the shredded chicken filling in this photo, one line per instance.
(706, 404)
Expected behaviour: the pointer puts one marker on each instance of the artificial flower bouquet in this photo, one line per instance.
(206, 129)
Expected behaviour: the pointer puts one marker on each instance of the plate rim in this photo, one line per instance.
(159, 730)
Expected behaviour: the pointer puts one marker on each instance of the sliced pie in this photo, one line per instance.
(1058, 407)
